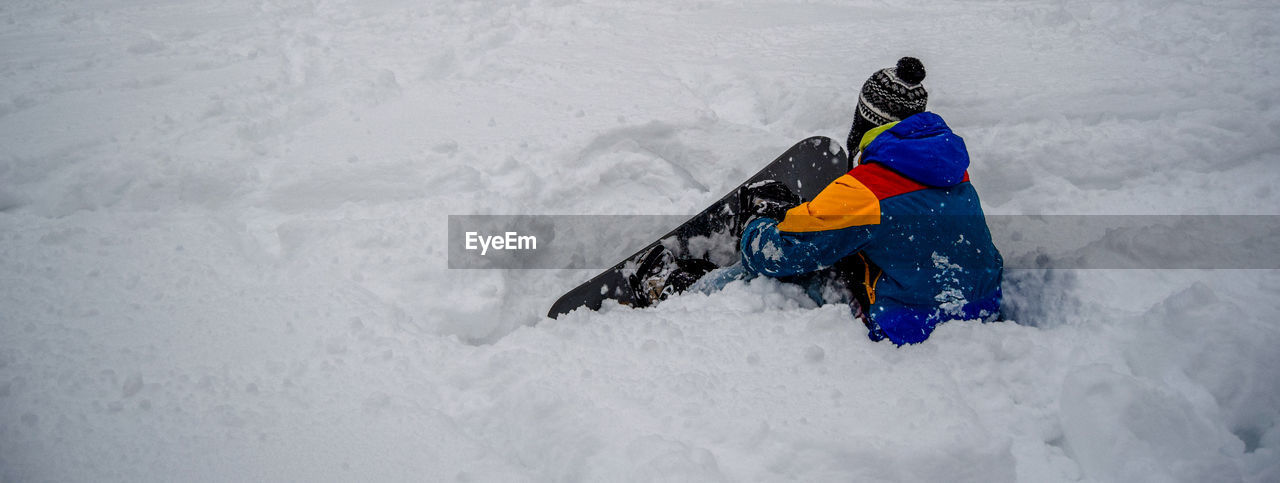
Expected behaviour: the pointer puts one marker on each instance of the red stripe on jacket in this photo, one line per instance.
(887, 183)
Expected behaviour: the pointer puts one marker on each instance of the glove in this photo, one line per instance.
(769, 199)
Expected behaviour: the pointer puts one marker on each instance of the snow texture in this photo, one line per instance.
(222, 228)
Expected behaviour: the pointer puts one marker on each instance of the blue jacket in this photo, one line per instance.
(910, 210)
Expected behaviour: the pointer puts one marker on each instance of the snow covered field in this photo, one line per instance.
(222, 234)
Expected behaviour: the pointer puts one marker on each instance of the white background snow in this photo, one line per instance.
(222, 228)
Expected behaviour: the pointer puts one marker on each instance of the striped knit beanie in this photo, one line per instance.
(891, 94)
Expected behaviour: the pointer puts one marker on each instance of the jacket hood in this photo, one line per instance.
(922, 148)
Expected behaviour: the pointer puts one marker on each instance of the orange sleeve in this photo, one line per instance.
(844, 203)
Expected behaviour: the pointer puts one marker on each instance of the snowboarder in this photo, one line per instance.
(904, 228)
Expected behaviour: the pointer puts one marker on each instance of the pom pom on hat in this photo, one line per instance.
(910, 70)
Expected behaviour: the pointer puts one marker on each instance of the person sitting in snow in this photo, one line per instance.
(904, 228)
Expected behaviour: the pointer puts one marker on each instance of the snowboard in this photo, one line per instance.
(711, 236)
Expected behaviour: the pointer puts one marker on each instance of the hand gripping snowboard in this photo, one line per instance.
(710, 238)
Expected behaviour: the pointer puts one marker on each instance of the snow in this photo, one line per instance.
(222, 234)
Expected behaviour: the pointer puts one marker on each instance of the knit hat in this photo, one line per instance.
(891, 94)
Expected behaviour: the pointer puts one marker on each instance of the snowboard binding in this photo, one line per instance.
(661, 274)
